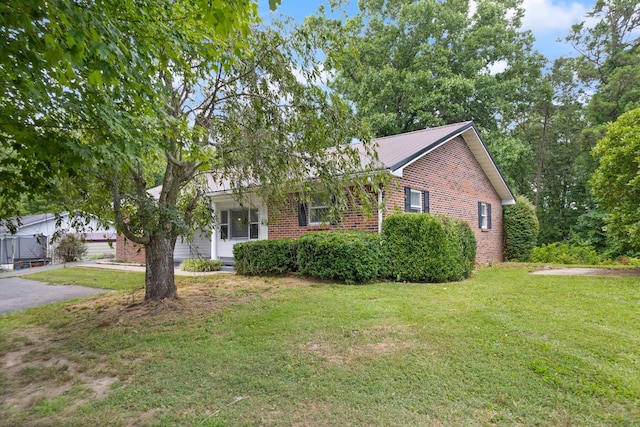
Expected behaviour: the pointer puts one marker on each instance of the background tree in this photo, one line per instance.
(552, 174)
(608, 65)
(616, 181)
(577, 98)
(608, 61)
(408, 65)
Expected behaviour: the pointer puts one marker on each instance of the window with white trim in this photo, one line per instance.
(319, 210)
(253, 224)
(239, 224)
(483, 216)
(416, 201)
(224, 225)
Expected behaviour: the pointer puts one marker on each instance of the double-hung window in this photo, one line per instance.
(484, 215)
(319, 210)
(416, 201)
(224, 225)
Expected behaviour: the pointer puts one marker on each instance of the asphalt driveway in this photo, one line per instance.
(18, 294)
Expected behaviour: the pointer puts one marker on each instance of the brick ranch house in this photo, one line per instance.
(444, 170)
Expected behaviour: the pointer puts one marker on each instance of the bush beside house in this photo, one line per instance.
(200, 265)
(412, 247)
(69, 249)
(352, 256)
(265, 257)
(428, 248)
(521, 227)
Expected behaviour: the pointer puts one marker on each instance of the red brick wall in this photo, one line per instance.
(286, 223)
(127, 251)
(456, 183)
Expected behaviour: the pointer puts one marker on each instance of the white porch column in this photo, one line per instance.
(380, 207)
(214, 233)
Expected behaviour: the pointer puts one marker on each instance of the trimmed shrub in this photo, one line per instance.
(428, 248)
(469, 246)
(563, 253)
(199, 265)
(265, 257)
(521, 228)
(70, 249)
(349, 256)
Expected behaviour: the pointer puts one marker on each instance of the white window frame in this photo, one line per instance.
(416, 208)
(253, 222)
(318, 203)
(224, 225)
(484, 216)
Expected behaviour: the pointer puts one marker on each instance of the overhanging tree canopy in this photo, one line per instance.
(69, 67)
(215, 93)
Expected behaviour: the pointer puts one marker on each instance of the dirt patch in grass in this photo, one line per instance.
(37, 374)
(197, 297)
(354, 346)
(37, 367)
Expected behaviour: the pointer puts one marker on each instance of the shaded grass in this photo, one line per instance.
(505, 348)
(92, 277)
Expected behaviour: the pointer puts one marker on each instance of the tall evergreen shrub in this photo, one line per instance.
(521, 228)
(428, 248)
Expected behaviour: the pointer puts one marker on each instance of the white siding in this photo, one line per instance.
(99, 248)
(200, 247)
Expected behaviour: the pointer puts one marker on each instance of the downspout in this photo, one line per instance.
(380, 211)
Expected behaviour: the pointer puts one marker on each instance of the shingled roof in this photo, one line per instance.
(399, 151)
(396, 152)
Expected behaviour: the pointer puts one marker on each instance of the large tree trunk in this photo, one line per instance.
(159, 278)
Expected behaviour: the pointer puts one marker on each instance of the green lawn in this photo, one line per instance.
(504, 348)
(92, 277)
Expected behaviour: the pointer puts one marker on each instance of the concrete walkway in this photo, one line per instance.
(26, 271)
(104, 265)
(589, 271)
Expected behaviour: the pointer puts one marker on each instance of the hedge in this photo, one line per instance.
(412, 247)
(521, 227)
(428, 248)
(349, 256)
(265, 257)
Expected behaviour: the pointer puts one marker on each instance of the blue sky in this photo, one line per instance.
(547, 19)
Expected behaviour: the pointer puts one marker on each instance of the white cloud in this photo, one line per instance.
(549, 16)
(497, 67)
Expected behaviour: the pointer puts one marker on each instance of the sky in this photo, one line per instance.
(549, 20)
